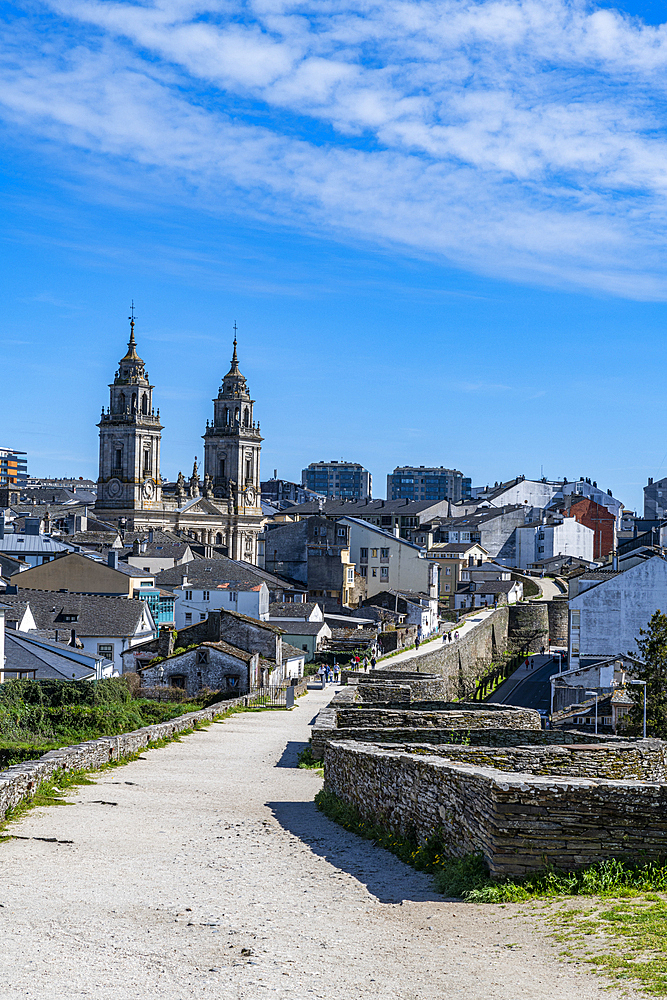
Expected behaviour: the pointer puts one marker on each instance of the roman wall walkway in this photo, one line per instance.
(204, 870)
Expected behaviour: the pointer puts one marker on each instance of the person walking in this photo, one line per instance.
(417, 643)
(456, 635)
(373, 662)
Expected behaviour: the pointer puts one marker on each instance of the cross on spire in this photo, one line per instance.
(131, 319)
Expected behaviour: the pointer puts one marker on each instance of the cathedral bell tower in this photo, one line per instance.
(232, 443)
(130, 433)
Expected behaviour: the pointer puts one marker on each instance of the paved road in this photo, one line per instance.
(529, 686)
(203, 870)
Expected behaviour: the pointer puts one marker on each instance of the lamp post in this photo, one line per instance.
(644, 685)
(596, 709)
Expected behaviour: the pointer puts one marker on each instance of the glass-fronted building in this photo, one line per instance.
(412, 482)
(13, 466)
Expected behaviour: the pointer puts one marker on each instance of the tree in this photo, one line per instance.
(653, 652)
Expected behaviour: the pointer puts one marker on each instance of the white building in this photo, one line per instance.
(386, 561)
(608, 608)
(553, 536)
(195, 598)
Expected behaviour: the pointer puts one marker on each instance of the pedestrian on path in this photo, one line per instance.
(456, 635)
(373, 662)
(417, 643)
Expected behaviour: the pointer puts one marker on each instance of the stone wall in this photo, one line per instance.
(529, 626)
(557, 610)
(382, 693)
(519, 822)
(401, 735)
(463, 662)
(21, 781)
(439, 715)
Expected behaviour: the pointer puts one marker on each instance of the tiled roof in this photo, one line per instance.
(292, 609)
(96, 616)
(300, 627)
(290, 652)
(49, 662)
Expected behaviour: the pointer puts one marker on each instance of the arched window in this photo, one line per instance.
(246, 417)
(134, 402)
(222, 468)
(122, 402)
(218, 539)
(144, 403)
(237, 416)
(226, 416)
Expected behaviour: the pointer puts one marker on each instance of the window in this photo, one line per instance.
(342, 532)
(540, 548)
(448, 571)
(374, 553)
(147, 461)
(188, 595)
(146, 569)
(316, 531)
(232, 683)
(119, 458)
(221, 463)
(350, 575)
(202, 656)
(446, 588)
(363, 555)
(202, 616)
(106, 650)
(188, 617)
(541, 536)
(384, 553)
(384, 572)
(363, 570)
(205, 595)
(248, 469)
(374, 572)
(233, 596)
(177, 681)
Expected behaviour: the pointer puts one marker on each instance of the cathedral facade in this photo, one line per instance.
(225, 510)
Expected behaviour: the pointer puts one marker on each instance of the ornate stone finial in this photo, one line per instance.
(208, 486)
(180, 486)
(194, 480)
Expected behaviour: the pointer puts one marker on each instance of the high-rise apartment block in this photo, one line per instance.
(343, 480)
(411, 482)
(13, 467)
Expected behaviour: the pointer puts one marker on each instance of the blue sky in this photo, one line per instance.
(440, 227)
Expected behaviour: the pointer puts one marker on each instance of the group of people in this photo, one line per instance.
(447, 636)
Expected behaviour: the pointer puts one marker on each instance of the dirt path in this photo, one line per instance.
(204, 870)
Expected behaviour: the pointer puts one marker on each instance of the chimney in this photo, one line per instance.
(143, 544)
(2, 524)
(165, 642)
(135, 547)
(32, 526)
(650, 480)
(151, 536)
(57, 639)
(112, 558)
(72, 639)
(614, 560)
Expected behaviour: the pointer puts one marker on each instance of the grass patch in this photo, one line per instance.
(622, 938)
(310, 763)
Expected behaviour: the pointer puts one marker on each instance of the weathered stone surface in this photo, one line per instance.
(519, 821)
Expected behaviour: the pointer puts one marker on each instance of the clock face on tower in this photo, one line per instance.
(149, 489)
(250, 497)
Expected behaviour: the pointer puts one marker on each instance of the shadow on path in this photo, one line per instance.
(290, 755)
(385, 877)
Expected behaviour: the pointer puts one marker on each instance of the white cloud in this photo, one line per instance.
(523, 139)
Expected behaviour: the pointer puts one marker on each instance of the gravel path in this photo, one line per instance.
(204, 870)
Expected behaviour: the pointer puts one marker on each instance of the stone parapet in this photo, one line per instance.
(520, 822)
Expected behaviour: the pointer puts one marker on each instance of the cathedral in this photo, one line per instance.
(223, 511)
